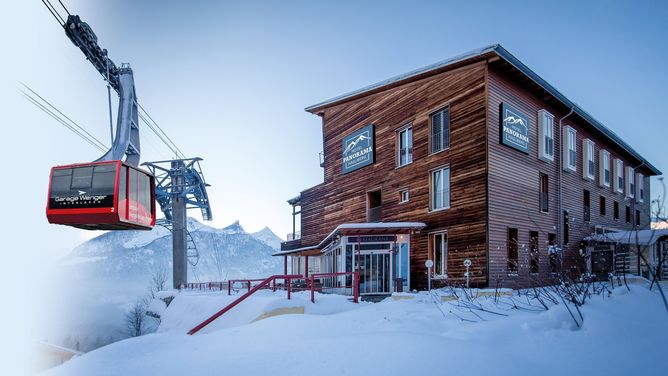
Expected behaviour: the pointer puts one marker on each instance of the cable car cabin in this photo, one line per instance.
(108, 195)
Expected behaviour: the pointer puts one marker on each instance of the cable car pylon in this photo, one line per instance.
(179, 186)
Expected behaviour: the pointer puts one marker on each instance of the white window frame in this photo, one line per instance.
(403, 200)
(618, 172)
(603, 166)
(630, 182)
(545, 133)
(588, 150)
(445, 170)
(409, 152)
(444, 253)
(640, 188)
(570, 144)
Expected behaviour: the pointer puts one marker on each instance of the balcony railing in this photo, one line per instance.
(374, 214)
(294, 236)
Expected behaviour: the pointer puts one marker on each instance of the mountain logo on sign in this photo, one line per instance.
(514, 120)
(351, 145)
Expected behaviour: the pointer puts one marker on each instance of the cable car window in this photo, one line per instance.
(147, 194)
(132, 195)
(122, 181)
(81, 178)
(141, 191)
(104, 179)
(60, 182)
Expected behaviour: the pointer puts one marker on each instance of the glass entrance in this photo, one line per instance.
(375, 268)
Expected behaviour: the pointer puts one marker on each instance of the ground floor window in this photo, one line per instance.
(512, 251)
(533, 250)
(553, 252)
(440, 247)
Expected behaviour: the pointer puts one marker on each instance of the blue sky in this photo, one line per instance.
(229, 80)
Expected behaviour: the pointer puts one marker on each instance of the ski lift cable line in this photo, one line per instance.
(82, 129)
(54, 13)
(180, 153)
(63, 5)
(151, 127)
(61, 121)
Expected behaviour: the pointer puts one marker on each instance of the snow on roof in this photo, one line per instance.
(641, 237)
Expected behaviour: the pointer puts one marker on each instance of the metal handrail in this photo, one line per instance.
(287, 278)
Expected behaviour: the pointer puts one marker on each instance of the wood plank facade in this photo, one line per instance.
(493, 188)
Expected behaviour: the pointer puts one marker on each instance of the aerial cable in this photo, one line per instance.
(82, 129)
(61, 121)
(54, 13)
(63, 5)
(174, 148)
(157, 133)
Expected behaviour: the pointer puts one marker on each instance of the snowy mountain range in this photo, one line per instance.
(103, 276)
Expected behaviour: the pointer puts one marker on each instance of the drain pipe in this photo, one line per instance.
(560, 168)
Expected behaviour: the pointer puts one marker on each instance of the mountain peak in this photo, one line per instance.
(268, 237)
(234, 228)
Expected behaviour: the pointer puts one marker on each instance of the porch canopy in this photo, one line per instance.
(365, 228)
(640, 237)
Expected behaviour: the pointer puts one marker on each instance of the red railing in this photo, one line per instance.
(203, 286)
(355, 285)
(265, 282)
(248, 282)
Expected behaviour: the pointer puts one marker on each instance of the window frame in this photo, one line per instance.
(604, 165)
(602, 206)
(443, 109)
(444, 253)
(588, 151)
(544, 189)
(640, 187)
(409, 152)
(618, 173)
(432, 208)
(630, 182)
(513, 247)
(401, 195)
(586, 205)
(570, 164)
(545, 120)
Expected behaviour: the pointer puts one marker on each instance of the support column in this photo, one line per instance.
(179, 223)
(285, 265)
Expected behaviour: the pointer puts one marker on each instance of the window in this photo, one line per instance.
(586, 205)
(512, 251)
(604, 168)
(405, 146)
(552, 251)
(440, 188)
(546, 135)
(440, 247)
(619, 176)
(403, 196)
(566, 227)
(630, 182)
(533, 252)
(104, 179)
(544, 193)
(637, 217)
(81, 178)
(60, 182)
(640, 188)
(615, 210)
(569, 149)
(588, 168)
(601, 205)
(628, 214)
(440, 130)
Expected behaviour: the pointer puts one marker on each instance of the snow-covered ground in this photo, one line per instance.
(408, 334)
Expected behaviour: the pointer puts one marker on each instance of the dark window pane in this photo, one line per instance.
(81, 178)
(104, 180)
(512, 250)
(60, 183)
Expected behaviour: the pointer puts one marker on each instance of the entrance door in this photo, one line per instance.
(375, 270)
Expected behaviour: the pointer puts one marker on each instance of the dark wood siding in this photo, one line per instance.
(342, 198)
(514, 186)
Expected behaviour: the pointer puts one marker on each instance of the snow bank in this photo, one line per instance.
(623, 334)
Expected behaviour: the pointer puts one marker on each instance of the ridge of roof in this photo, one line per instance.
(517, 64)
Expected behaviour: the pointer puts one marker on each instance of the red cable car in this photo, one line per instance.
(109, 195)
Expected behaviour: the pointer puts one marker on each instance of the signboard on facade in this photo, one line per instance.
(358, 149)
(514, 128)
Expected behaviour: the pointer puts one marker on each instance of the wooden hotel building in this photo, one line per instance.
(473, 158)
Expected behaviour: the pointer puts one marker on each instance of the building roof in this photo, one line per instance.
(360, 229)
(478, 55)
(639, 237)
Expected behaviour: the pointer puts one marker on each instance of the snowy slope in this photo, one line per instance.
(268, 237)
(100, 278)
(406, 337)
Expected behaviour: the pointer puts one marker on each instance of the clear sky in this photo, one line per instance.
(228, 81)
